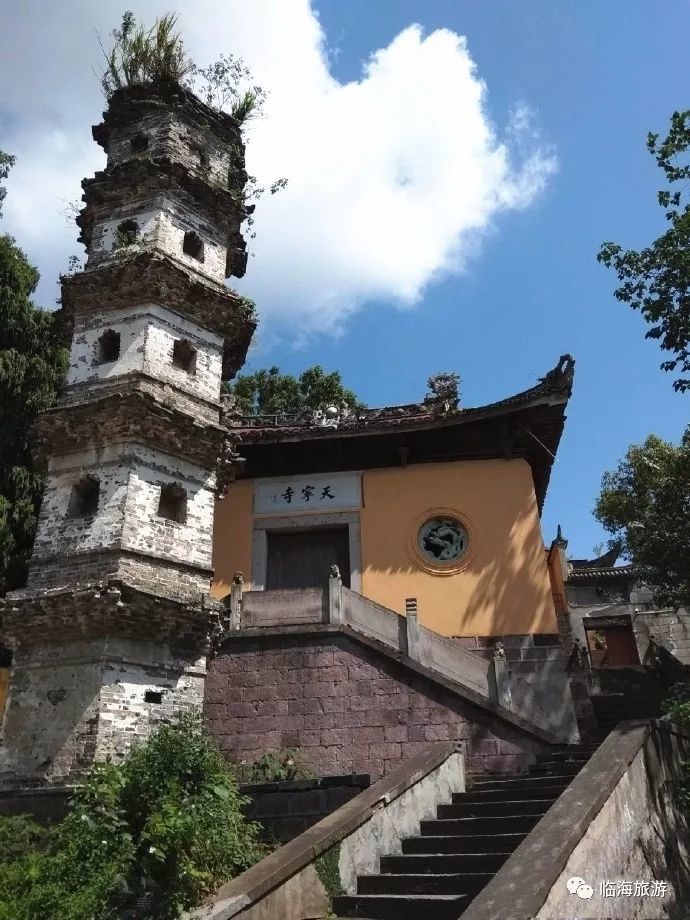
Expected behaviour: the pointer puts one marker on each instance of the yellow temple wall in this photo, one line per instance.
(232, 536)
(500, 586)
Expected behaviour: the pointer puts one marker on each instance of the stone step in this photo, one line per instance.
(625, 704)
(441, 863)
(524, 784)
(555, 768)
(401, 906)
(478, 843)
(568, 756)
(634, 694)
(507, 793)
(463, 825)
(470, 883)
(515, 806)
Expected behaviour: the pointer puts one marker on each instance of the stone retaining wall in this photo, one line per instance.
(346, 707)
(286, 809)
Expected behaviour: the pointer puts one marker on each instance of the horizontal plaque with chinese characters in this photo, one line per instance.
(318, 494)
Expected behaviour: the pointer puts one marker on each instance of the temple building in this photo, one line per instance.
(428, 501)
(396, 589)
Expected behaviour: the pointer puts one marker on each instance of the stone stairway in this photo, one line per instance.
(455, 855)
(626, 693)
(612, 708)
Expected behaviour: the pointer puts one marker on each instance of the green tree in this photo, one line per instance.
(645, 504)
(656, 280)
(6, 163)
(145, 840)
(33, 362)
(268, 392)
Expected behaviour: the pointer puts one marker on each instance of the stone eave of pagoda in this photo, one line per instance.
(130, 411)
(527, 425)
(108, 189)
(149, 277)
(130, 103)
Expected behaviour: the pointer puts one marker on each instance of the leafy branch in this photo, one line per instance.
(656, 280)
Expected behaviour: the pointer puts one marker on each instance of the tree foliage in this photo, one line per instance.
(155, 56)
(645, 504)
(147, 839)
(268, 392)
(6, 163)
(656, 279)
(33, 362)
(141, 56)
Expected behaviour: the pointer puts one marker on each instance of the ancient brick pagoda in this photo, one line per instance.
(112, 631)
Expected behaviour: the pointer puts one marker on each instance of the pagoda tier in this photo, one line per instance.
(151, 278)
(111, 633)
(94, 670)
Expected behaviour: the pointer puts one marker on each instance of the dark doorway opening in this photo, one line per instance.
(611, 643)
(303, 558)
(5, 665)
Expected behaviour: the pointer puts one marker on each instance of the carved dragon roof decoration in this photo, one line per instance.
(555, 386)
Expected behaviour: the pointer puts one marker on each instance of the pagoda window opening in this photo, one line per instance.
(153, 696)
(139, 143)
(204, 159)
(172, 504)
(108, 347)
(128, 234)
(184, 356)
(83, 500)
(193, 246)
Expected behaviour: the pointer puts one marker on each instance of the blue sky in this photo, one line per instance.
(422, 229)
(600, 75)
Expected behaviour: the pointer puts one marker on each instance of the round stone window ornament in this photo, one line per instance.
(442, 541)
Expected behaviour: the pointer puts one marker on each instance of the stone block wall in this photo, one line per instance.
(286, 809)
(189, 542)
(670, 628)
(56, 532)
(162, 224)
(176, 138)
(130, 484)
(528, 650)
(346, 708)
(147, 335)
(88, 699)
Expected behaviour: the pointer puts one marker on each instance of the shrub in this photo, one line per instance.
(678, 704)
(142, 56)
(274, 767)
(147, 839)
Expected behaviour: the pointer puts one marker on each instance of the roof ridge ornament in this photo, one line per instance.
(444, 392)
(560, 378)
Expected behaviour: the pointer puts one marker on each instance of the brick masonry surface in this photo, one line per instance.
(286, 809)
(346, 708)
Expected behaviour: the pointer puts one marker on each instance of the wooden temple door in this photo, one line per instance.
(303, 558)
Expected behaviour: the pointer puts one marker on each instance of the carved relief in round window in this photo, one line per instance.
(442, 540)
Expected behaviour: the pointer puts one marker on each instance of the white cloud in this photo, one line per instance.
(393, 179)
